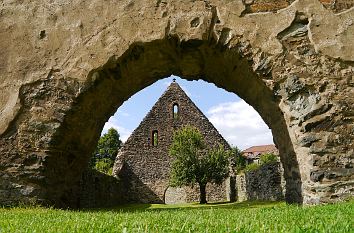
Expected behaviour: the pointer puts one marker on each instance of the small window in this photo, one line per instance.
(155, 138)
(175, 111)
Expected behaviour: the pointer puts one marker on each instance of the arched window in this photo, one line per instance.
(175, 111)
(155, 138)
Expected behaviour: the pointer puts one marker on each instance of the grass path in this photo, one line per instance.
(234, 217)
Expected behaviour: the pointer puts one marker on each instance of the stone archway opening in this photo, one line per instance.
(146, 164)
(143, 64)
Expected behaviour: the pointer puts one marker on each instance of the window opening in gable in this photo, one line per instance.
(175, 111)
(155, 138)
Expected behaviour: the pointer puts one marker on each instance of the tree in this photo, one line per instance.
(268, 158)
(194, 163)
(104, 165)
(106, 151)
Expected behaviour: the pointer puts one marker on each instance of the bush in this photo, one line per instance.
(251, 167)
(104, 165)
(268, 158)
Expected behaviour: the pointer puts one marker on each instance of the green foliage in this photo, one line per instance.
(104, 165)
(106, 151)
(214, 166)
(238, 161)
(252, 167)
(268, 158)
(264, 159)
(235, 217)
(187, 146)
(155, 138)
(194, 163)
(108, 144)
(175, 115)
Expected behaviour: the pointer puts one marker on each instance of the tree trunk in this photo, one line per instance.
(202, 193)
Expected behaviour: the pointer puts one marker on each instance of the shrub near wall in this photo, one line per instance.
(268, 159)
(252, 167)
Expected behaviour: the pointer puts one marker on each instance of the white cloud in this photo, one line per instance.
(123, 132)
(240, 124)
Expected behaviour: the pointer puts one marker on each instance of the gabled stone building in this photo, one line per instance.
(143, 163)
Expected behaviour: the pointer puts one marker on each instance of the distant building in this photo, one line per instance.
(253, 153)
(143, 163)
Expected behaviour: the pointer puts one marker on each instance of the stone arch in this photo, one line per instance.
(50, 127)
(83, 124)
(247, 85)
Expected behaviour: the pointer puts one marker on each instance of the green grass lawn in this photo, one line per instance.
(234, 217)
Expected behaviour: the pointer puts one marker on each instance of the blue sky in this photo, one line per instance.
(238, 122)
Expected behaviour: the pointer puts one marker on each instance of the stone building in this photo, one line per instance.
(143, 163)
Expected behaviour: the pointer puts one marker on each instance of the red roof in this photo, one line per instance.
(255, 151)
(262, 148)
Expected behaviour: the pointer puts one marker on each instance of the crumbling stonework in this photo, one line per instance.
(96, 189)
(263, 184)
(143, 163)
(66, 66)
(254, 6)
(187, 194)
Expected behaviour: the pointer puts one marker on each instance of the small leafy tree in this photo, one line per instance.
(106, 151)
(268, 158)
(194, 163)
(252, 167)
(104, 165)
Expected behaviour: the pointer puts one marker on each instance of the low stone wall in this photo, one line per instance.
(96, 189)
(188, 194)
(266, 183)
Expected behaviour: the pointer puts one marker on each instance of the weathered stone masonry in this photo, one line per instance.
(264, 184)
(96, 189)
(66, 66)
(143, 163)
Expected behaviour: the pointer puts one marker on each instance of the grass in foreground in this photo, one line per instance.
(228, 217)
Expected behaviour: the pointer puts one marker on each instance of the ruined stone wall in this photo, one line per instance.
(262, 184)
(145, 168)
(96, 189)
(241, 188)
(187, 194)
(254, 6)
